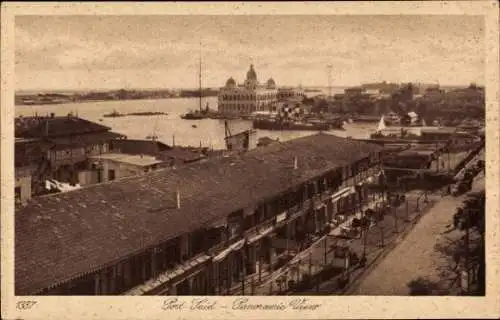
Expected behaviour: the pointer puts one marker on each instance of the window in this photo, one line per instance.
(17, 193)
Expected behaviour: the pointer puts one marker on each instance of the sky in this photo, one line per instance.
(112, 52)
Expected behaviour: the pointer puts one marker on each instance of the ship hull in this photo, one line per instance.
(275, 125)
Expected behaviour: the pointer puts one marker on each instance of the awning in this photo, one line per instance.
(282, 216)
(342, 193)
(219, 223)
(319, 205)
(234, 247)
(337, 231)
(260, 235)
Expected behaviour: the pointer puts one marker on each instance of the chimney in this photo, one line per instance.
(178, 198)
(295, 163)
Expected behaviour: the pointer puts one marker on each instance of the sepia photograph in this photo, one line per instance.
(245, 155)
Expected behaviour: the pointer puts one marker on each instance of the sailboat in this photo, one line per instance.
(197, 114)
(381, 125)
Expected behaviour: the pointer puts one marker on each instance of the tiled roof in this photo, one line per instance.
(85, 139)
(61, 236)
(139, 146)
(37, 127)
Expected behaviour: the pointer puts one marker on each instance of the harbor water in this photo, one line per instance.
(207, 132)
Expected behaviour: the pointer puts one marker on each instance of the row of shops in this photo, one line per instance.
(275, 245)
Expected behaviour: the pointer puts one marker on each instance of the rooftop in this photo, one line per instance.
(439, 130)
(61, 236)
(133, 159)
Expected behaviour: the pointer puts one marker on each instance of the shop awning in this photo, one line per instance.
(260, 235)
(342, 193)
(234, 247)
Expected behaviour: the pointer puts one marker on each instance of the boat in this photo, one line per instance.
(392, 119)
(193, 115)
(202, 113)
(381, 125)
(114, 114)
(285, 124)
(194, 126)
(152, 137)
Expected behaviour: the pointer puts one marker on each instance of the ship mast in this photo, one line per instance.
(199, 77)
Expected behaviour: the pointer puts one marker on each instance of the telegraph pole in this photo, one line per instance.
(329, 69)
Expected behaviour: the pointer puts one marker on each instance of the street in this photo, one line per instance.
(416, 259)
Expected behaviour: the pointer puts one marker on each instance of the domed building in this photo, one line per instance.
(248, 97)
(230, 83)
(271, 84)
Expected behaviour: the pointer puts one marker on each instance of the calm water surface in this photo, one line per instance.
(209, 132)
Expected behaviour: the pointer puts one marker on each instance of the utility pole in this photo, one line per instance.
(329, 68)
(199, 78)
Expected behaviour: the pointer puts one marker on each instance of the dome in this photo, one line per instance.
(230, 82)
(271, 83)
(251, 75)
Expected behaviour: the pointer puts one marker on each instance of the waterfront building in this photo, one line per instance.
(197, 230)
(58, 147)
(251, 96)
(73, 150)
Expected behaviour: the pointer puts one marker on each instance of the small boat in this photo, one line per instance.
(381, 125)
(194, 126)
(100, 119)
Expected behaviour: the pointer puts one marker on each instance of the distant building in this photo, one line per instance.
(290, 94)
(248, 97)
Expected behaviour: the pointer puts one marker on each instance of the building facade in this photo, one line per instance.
(251, 96)
(205, 243)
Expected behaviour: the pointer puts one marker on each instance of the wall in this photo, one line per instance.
(121, 169)
(23, 181)
(246, 101)
(87, 177)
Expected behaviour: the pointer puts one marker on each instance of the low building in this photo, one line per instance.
(172, 155)
(290, 93)
(64, 145)
(452, 135)
(111, 166)
(196, 230)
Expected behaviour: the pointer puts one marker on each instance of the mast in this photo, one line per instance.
(199, 77)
